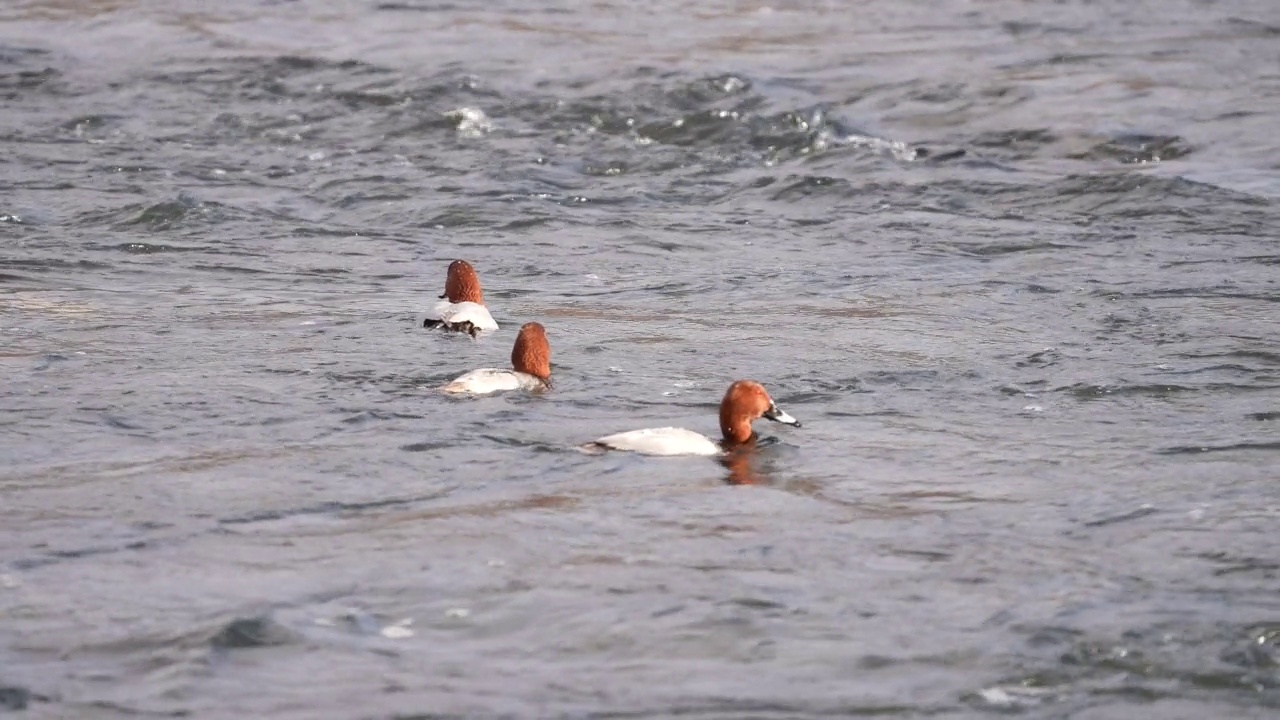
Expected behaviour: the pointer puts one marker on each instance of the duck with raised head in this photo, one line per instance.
(530, 360)
(744, 402)
(461, 307)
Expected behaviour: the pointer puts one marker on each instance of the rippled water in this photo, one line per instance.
(1014, 265)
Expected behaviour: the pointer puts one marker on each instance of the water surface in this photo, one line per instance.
(1013, 265)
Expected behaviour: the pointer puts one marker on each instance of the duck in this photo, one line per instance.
(461, 307)
(743, 402)
(531, 358)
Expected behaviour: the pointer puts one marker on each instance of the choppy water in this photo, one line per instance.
(1014, 265)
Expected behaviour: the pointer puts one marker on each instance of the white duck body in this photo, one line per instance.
(456, 316)
(491, 380)
(660, 441)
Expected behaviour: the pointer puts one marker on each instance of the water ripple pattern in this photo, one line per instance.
(1014, 265)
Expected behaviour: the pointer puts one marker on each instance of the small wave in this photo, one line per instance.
(470, 122)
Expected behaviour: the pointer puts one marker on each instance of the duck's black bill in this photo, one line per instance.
(776, 414)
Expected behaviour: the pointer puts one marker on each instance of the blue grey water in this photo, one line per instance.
(1014, 265)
